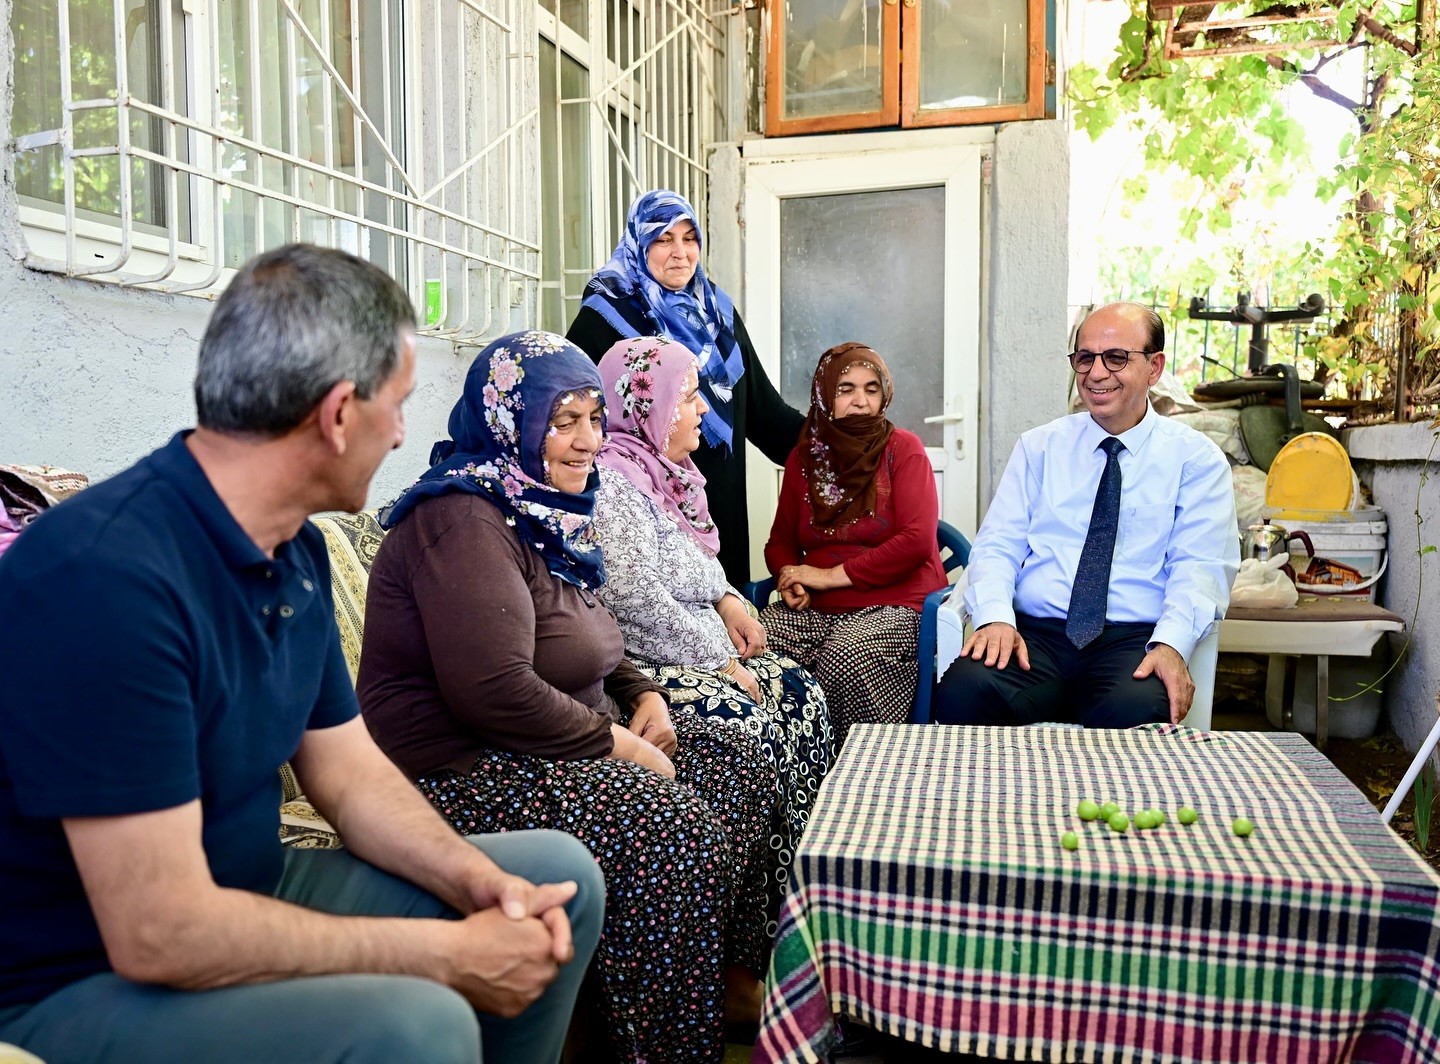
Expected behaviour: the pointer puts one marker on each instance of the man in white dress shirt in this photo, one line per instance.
(1094, 576)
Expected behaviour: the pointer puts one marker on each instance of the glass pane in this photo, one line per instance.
(833, 57)
(565, 219)
(836, 253)
(622, 32)
(973, 54)
(622, 162)
(94, 75)
(572, 13)
(277, 90)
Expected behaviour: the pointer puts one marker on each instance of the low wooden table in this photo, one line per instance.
(1317, 626)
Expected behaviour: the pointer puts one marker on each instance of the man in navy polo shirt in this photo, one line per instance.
(170, 643)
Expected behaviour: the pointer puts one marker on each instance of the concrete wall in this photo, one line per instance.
(1028, 322)
(1391, 460)
(93, 376)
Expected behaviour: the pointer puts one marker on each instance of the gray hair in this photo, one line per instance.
(293, 323)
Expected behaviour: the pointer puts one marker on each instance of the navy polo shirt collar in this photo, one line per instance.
(175, 463)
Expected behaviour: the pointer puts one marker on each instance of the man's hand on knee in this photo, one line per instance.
(519, 898)
(1166, 663)
(501, 965)
(995, 643)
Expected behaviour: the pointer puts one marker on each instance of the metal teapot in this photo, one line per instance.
(1265, 540)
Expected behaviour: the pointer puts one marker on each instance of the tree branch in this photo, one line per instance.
(1314, 84)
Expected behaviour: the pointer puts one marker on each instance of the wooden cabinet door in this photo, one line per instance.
(832, 65)
(971, 63)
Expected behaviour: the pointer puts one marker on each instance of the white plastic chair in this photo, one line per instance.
(952, 623)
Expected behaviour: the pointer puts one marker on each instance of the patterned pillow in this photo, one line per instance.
(352, 540)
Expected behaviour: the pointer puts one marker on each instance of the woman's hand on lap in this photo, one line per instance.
(650, 721)
(630, 747)
(813, 579)
(747, 633)
(795, 596)
(746, 679)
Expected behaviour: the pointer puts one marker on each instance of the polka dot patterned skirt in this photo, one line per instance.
(792, 725)
(685, 867)
(865, 661)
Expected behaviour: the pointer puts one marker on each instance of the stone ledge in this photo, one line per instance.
(1411, 442)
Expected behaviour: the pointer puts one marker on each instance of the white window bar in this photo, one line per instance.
(405, 131)
(655, 70)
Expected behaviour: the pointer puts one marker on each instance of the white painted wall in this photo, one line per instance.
(1026, 377)
(93, 376)
(1391, 459)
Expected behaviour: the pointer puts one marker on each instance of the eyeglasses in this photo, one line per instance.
(1115, 359)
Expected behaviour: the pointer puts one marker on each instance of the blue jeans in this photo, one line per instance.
(358, 1019)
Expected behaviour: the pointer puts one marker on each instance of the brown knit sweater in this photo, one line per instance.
(471, 645)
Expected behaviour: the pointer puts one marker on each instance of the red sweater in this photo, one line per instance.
(891, 558)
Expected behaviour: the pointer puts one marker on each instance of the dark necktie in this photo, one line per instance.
(1091, 592)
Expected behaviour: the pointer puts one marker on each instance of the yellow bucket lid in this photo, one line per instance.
(1311, 472)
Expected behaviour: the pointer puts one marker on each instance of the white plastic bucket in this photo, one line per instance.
(1355, 537)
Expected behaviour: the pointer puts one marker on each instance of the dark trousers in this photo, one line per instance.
(1094, 686)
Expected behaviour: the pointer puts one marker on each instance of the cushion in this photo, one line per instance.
(352, 540)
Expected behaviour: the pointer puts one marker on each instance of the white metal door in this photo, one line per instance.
(884, 248)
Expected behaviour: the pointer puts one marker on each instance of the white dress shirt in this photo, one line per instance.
(1176, 552)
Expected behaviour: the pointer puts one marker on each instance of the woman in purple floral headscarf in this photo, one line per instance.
(494, 678)
(685, 627)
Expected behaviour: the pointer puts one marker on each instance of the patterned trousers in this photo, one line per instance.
(865, 661)
(792, 727)
(684, 862)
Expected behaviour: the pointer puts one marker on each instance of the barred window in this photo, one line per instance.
(162, 143)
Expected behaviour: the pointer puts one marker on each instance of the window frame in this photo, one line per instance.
(471, 227)
(900, 78)
(60, 235)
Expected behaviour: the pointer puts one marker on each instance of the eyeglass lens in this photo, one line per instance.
(1115, 359)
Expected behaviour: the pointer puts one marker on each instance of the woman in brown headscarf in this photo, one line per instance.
(853, 544)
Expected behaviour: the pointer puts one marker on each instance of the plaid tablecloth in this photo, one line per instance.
(932, 900)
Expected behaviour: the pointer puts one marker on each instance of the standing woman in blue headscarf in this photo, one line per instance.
(654, 285)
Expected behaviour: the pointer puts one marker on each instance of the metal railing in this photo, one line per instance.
(182, 137)
(655, 102)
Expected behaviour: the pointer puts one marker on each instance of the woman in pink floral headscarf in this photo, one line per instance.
(684, 626)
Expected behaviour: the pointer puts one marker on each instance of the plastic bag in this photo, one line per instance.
(1262, 585)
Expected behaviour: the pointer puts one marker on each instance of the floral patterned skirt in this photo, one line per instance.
(792, 727)
(684, 861)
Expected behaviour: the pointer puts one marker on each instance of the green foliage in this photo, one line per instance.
(1217, 129)
(1424, 805)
